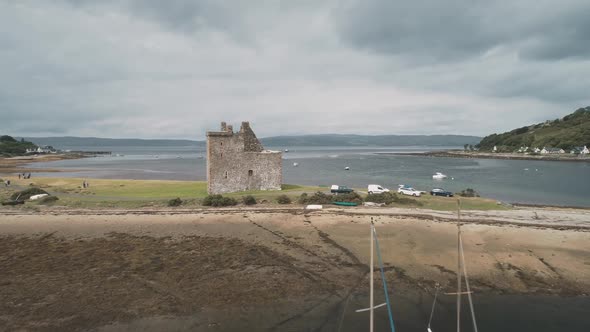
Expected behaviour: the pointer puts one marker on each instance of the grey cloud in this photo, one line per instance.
(190, 15)
(130, 68)
(547, 83)
(428, 29)
(185, 16)
(567, 36)
(457, 29)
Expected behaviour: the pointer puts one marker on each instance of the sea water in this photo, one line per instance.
(513, 181)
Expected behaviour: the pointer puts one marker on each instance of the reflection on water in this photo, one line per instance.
(524, 181)
(506, 313)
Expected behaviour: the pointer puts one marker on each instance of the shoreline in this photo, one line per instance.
(14, 165)
(155, 193)
(569, 219)
(485, 155)
(532, 205)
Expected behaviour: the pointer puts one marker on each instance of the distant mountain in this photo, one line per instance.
(305, 140)
(566, 133)
(366, 140)
(73, 142)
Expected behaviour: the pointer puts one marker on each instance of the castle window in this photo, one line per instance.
(226, 174)
(250, 172)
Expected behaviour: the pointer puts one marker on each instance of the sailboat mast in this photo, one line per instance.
(371, 281)
(458, 265)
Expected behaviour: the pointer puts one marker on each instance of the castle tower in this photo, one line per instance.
(239, 162)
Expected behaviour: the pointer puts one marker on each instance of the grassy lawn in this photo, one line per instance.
(136, 189)
(107, 193)
(467, 203)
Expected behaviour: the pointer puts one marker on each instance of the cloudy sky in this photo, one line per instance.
(174, 69)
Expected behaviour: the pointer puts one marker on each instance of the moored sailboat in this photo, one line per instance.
(461, 270)
(372, 306)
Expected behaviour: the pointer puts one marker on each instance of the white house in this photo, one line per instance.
(36, 150)
(45, 149)
(523, 149)
(495, 149)
(537, 150)
(579, 150)
(48, 149)
(552, 151)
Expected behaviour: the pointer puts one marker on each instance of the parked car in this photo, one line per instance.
(409, 191)
(336, 189)
(441, 192)
(376, 189)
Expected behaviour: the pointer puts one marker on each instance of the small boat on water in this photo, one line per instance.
(439, 176)
(286, 150)
(295, 164)
(347, 168)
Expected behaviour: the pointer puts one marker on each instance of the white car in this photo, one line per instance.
(376, 189)
(409, 191)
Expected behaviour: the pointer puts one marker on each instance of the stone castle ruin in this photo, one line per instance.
(238, 162)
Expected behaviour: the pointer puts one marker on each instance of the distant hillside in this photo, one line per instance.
(10, 147)
(305, 140)
(573, 130)
(73, 142)
(366, 140)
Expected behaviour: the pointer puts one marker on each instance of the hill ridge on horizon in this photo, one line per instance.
(572, 130)
(292, 140)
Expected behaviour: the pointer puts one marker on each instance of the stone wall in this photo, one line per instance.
(238, 162)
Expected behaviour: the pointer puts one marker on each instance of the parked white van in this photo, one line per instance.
(376, 189)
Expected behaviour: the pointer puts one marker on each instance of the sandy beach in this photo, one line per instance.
(270, 269)
(15, 165)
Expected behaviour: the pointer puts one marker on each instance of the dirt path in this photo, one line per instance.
(246, 270)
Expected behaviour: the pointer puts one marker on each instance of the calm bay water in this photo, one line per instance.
(522, 181)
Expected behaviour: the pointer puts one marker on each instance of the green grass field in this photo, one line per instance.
(103, 193)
